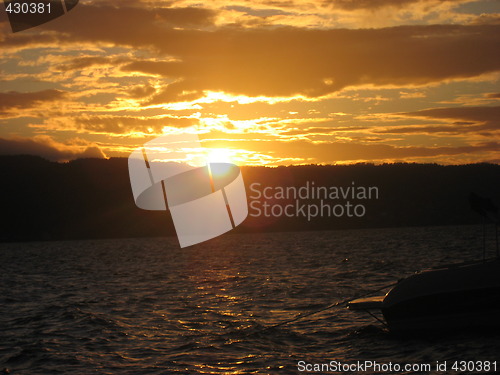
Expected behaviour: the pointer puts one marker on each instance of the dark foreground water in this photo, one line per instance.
(144, 306)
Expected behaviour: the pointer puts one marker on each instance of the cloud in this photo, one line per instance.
(324, 130)
(482, 114)
(80, 63)
(119, 22)
(320, 62)
(124, 67)
(487, 19)
(194, 56)
(332, 152)
(21, 100)
(427, 129)
(124, 125)
(484, 121)
(47, 148)
(487, 117)
(141, 91)
(411, 95)
(372, 4)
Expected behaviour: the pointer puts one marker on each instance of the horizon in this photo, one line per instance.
(93, 198)
(360, 163)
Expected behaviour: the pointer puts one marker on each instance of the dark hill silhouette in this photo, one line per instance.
(92, 198)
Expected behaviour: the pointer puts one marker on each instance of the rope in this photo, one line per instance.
(328, 307)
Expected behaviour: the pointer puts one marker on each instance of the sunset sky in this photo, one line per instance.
(272, 82)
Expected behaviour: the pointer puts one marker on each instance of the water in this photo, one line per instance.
(144, 306)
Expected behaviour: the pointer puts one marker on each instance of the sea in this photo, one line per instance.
(260, 303)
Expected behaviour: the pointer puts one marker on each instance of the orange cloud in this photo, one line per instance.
(123, 125)
(14, 100)
(321, 62)
(124, 67)
(333, 152)
(193, 56)
(484, 118)
(374, 4)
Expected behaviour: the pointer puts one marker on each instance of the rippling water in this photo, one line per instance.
(144, 306)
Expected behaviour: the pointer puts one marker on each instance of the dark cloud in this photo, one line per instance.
(141, 91)
(324, 130)
(45, 148)
(80, 63)
(428, 129)
(482, 114)
(480, 120)
(351, 151)
(456, 128)
(371, 4)
(129, 124)
(20, 100)
(162, 68)
(122, 23)
(291, 61)
(493, 95)
(487, 19)
(283, 61)
(487, 118)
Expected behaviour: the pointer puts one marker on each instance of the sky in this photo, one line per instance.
(262, 82)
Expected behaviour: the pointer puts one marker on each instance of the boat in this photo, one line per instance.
(463, 296)
(457, 296)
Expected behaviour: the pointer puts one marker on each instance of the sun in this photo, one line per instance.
(219, 155)
(220, 161)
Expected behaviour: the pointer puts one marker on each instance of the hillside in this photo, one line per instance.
(92, 198)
